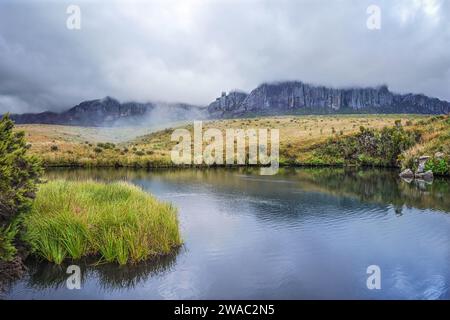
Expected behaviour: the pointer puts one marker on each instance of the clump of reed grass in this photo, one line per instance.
(118, 222)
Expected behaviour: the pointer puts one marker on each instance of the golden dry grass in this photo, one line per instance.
(298, 134)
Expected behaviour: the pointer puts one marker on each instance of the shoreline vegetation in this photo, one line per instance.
(19, 175)
(116, 222)
(58, 220)
(336, 140)
(130, 225)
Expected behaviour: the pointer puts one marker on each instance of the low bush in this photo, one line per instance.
(438, 166)
(370, 147)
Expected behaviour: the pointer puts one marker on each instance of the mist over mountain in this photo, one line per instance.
(109, 112)
(290, 97)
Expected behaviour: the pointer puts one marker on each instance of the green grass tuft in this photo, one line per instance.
(119, 222)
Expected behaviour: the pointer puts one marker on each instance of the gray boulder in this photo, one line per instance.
(407, 174)
(427, 176)
(422, 161)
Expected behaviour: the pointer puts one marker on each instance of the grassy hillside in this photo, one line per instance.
(82, 146)
(304, 140)
(434, 142)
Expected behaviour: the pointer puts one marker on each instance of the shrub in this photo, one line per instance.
(98, 150)
(107, 145)
(7, 236)
(19, 174)
(438, 166)
(54, 148)
(370, 147)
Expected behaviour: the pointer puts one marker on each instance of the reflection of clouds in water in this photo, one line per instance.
(171, 195)
(435, 287)
(406, 284)
(267, 179)
(253, 239)
(182, 285)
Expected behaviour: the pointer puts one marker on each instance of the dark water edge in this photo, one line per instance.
(304, 233)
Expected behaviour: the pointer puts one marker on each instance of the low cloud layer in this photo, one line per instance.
(191, 50)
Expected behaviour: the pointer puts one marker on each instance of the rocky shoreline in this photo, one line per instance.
(421, 173)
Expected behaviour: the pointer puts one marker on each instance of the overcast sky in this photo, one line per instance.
(191, 50)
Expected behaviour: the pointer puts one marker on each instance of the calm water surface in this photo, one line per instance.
(301, 234)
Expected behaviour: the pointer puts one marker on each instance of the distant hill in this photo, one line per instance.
(291, 97)
(295, 97)
(110, 112)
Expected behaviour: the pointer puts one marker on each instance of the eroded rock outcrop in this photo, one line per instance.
(298, 97)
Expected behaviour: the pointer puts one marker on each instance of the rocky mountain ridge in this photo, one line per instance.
(110, 112)
(296, 97)
(290, 97)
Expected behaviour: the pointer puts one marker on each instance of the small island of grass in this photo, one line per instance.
(117, 222)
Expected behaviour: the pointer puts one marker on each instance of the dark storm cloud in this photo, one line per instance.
(192, 50)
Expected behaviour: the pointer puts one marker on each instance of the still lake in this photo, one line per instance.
(300, 234)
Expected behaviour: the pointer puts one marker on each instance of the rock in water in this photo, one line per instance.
(407, 174)
(427, 176)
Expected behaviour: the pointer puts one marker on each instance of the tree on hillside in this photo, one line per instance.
(19, 174)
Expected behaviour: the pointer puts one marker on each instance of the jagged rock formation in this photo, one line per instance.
(110, 112)
(226, 103)
(296, 97)
(293, 97)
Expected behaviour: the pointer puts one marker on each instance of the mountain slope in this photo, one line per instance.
(281, 98)
(110, 112)
(296, 97)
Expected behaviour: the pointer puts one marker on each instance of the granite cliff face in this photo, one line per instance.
(110, 112)
(300, 98)
(292, 97)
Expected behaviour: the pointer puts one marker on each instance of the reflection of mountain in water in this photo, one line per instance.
(366, 185)
(45, 275)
